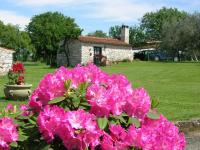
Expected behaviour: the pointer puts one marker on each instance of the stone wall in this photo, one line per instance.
(74, 55)
(82, 53)
(87, 53)
(118, 53)
(113, 53)
(189, 125)
(6, 60)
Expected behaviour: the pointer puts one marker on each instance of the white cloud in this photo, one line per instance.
(14, 18)
(41, 3)
(121, 10)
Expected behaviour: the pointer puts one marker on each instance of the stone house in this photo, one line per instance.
(6, 60)
(88, 49)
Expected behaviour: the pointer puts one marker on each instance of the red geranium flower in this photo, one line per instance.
(18, 68)
(20, 80)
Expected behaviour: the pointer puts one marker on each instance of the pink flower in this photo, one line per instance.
(107, 95)
(49, 121)
(107, 142)
(34, 102)
(80, 119)
(78, 127)
(134, 136)
(156, 135)
(84, 130)
(98, 100)
(8, 133)
(118, 135)
(115, 140)
(50, 87)
(138, 104)
(24, 108)
(10, 107)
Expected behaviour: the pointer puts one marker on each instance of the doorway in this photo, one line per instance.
(97, 55)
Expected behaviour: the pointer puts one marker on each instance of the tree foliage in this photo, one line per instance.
(137, 35)
(11, 37)
(182, 35)
(115, 32)
(153, 22)
(47, 30)
(98, 33)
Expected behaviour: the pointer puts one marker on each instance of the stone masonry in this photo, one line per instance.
(6, 60)
(83, 53)
(112, 52)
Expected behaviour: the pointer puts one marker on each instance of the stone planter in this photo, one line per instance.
(17, 92)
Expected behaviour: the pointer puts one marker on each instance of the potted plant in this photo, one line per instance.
(16, 88)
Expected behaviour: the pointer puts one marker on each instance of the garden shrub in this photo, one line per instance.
(86, 108)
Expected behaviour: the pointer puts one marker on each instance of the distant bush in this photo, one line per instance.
(126, 60)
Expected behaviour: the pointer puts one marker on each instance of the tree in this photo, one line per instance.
(98, 33)
(137, 35)
(153, 22)
(47, 30)
(9, 36)
(115, 32)
(171, 37)
(72, 31)
(1, 29)
(26, 47)
(182, 35)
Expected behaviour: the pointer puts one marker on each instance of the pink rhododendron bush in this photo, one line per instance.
(87, 109)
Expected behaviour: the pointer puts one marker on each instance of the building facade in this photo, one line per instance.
(88, 49)
(6, 60)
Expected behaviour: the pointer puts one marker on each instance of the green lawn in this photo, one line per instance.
(34, 73)
(176, 85)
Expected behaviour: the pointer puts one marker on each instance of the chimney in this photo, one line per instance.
(125, 34)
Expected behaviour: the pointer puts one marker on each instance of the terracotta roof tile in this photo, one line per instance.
(99, 40)
(5, 49)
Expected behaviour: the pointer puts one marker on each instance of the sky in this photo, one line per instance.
(90, 15)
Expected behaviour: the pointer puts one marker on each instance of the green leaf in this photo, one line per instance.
(102, 122)
(22, 137)
(13, 144)
(86, 148)
(124, 115)
(43, 145)
(22, 117)
(32, 121)
(154, 103)
(132, 148)
(121, 119)
(112, 121)
(85, 105)
(134, 121)
(57, 100)
(153, 115)
(82, 87)
(76, 101)
(67, 84)
(19, 123)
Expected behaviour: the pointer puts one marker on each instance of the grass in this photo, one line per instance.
(34, 73)
(176, 85)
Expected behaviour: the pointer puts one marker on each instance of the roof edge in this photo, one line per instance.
(113, 42)
(6, 49)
